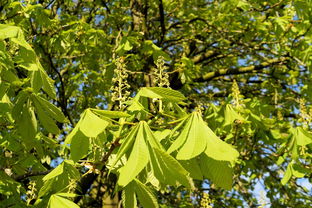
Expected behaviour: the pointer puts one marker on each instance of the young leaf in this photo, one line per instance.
(302, 137)
(127, 143)
(55, 172)
(145, 195)
(46, 120)
(128, 196)
(47, 83)
(79, 146)
(287, 174)
(137, 160)
(220, 172)
(167, 170)
(58, 201)
(91, 125)
(218, 149)
(196, 140)
(109, 114)
(27, 124)
(193, 168)
(161, 93)
(50, 109)
(230, 115)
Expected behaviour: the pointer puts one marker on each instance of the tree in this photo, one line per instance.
(155, 103)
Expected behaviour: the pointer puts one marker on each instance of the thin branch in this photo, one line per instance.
(240, 70)
(30, 174)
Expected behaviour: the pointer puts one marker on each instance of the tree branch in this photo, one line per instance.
(240, 70)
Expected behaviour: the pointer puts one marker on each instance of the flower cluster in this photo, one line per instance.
(31, 192)
(205, 201)
(305, 116)
(120, 88)
(235, 93)
(161, 78)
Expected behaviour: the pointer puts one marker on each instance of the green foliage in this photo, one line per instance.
(164, 103)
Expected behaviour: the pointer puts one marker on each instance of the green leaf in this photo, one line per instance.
(182, 136)
(50, 109)
(79, 146)
(47, 84)
(8, 31)
(67, 194)
(55, 172)
(145, 195)
(287, 174)
(58, 201)
(193, 168)
(218, 149)
(230, 115)
(220, 172)
(92, 125)
(17, 110)
(196, 140)
(168, 170)
(36, 81)
(128, 196)
(149, 136)
(302, 137)
(27, 124)
(161, 93)
(47, 122)
(299, 171)
(126, 144)
(109, 114)
(137, 160)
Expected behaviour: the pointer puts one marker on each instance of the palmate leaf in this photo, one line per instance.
(294, 169)
(144, 193)
(302, 137)
(196, 137)
(137, 160)
(147, 150)
(166, 169)
(59, 178)
(299, 137)
(230, 115)
(220, 172)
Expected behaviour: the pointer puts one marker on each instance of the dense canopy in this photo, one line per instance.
(126, 103)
